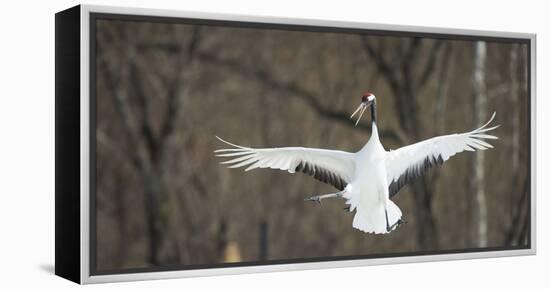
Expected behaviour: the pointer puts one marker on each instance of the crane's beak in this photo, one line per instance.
(361, 109)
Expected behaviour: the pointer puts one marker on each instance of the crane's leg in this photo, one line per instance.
(388, 228)
(318, 198)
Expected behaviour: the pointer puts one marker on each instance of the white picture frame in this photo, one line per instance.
(68, 258)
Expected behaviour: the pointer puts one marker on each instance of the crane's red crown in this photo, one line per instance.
(366, 95)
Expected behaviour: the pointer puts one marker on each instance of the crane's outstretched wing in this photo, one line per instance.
(407, 163)
(329, 166)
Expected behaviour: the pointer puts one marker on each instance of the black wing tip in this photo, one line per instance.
(413, 173)
(321, 174)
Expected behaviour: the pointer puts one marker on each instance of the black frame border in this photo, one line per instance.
(67, 144)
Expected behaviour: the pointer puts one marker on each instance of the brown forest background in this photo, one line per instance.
(165, 90)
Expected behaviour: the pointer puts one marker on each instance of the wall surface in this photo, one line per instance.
(27, 147)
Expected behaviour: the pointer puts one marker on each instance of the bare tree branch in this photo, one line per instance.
(145, 156)
(516, 231)
(430, 64)
(262, 76)
(407, 62)
(400, 80)
(136, 90)
(382, 65)
(412, 51)
(142, 161)
(294, 89)
(442, 89)
(184, 58)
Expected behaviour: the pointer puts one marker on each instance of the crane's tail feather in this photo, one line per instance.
(373, 219)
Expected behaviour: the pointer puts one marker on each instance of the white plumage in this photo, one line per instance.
(368, 178)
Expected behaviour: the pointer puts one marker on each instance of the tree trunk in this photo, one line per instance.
(401, 78)
(443, 90)
(480, 107)
(518, 81)
(426, 235)
(122, 221)
(516, 91)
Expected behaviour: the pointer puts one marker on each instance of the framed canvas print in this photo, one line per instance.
(192, 144)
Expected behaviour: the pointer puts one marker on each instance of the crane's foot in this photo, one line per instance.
(396, 225)
(318, 198)
(399, 222)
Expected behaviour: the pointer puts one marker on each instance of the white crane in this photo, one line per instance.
(368, 178)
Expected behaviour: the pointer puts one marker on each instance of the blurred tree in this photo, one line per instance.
(518, 230)
(478, 167)
(149, 142)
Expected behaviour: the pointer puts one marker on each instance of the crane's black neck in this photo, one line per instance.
(373, 110)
